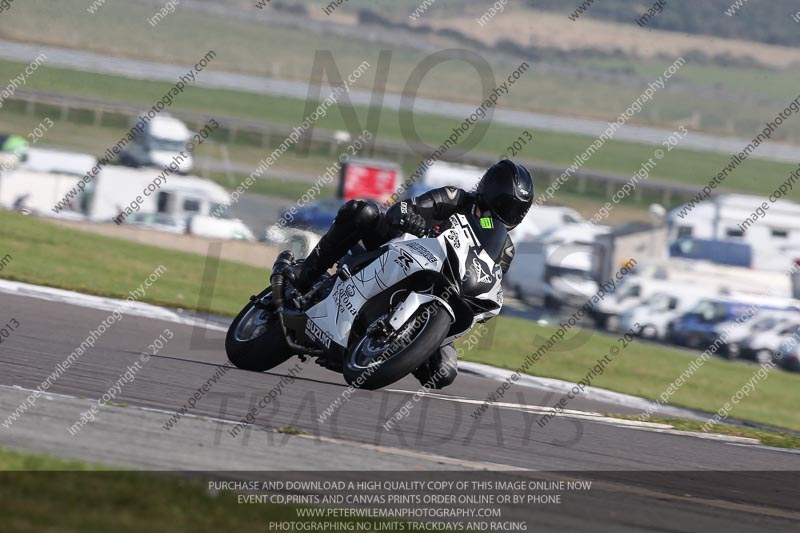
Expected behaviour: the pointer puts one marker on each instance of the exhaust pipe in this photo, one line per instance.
(278, 278)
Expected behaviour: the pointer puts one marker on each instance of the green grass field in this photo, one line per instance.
(43, 493)
(253, 45)
(50, 255)
(684, 166)
(643, 369)
(56, 257)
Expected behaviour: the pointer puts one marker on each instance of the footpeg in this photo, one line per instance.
(344, 273)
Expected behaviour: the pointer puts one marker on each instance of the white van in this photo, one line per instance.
(163, 141)
(654, 313)
(559, 268)
(627, 294)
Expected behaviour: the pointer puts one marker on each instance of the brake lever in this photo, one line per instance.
(433, 232)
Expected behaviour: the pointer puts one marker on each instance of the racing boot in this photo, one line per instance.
(330, 248)
(440, 370)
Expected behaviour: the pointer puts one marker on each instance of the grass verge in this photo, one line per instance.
(42, 493)
(51, 255)
(766, 437)
(45, 254)
(642, 369)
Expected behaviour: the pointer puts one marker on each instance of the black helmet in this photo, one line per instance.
(507, 191)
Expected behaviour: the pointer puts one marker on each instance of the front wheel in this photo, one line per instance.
(379, 359)
(255, 339)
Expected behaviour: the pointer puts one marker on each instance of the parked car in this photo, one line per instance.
(212, 227)
(762, 346)
(158, 222)
(736, 333)
(628, 294)
(789, 352)
(696, 329)
(315, 216)
(655, 313)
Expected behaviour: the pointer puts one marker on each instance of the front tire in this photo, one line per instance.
(369, 363)
(255, 339)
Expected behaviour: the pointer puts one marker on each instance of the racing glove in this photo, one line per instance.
(406, 220)
(414, 224)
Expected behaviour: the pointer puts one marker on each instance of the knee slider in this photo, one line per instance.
(363, 213)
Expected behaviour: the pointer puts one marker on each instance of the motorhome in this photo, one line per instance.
(774, 237)
(701, 277)
(37, 192)
(58, 162)
(183, 197)
(42, 180)
(118, 188)
(719, 278)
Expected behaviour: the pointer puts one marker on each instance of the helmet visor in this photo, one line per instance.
(510, 210)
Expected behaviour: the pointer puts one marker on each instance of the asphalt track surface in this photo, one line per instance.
(647, 478)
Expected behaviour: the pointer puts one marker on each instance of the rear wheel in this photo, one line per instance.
(255, 339)
(380, 357)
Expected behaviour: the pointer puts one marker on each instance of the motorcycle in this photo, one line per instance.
(384, 312)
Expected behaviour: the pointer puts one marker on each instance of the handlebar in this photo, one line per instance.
(433, 232)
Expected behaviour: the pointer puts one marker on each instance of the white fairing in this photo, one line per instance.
(331, 320)
(409, 306)
(473, 258)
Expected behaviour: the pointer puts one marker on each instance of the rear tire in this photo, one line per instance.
(255, 339)
(363, 368)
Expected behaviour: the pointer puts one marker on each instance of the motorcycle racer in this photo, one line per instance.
(505, 193)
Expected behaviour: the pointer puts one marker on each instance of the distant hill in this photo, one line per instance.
(766, 21)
